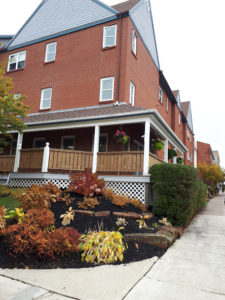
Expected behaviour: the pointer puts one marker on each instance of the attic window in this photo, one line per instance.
(109, 36)
(16, 61)
(134, 42)
(50, 52)
(167, 104)
(160, 95)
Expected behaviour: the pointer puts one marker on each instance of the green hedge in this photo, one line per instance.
(179, 194)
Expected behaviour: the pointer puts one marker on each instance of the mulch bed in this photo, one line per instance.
(84, 223)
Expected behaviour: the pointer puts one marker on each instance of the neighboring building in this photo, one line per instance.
(216, 157)
(4, 40)
(88, 70)
(204, 153)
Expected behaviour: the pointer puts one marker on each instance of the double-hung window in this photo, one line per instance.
(17, 95)
(167, 104)
(134, 42)
(50, 52)
(106, 89)
(160, 95)
(132, 93)
(46, 98)
(39, 142)
(17, 61)
(109, 36)
(67, 142)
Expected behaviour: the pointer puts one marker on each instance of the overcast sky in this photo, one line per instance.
(190, 36)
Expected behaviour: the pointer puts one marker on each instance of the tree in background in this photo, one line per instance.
(11, 108)
(212, 175)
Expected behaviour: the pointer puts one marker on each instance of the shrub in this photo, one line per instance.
(138, 204)
(88, 203)
(36, 235)
(120, 200)
(39, 196)
(67, 217)
(2, 218)
(179, 193)
(14, 192)
(86, 184)
(102, 246)
(108, 194)
(18, 214)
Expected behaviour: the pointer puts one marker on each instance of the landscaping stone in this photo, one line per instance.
(102, 213)
(161, 239)
(177, 231)
(84, 212)
(128, 215)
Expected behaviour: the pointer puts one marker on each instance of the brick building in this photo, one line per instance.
(88, 70)
(204, 153)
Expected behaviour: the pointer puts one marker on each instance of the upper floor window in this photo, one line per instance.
(160, 95)
(132, 93)
(188, 156)
(50, 52)
(167, 104)
(67, 142)
(179, 119)
(134, 42)
(17, 95)
(17, 61)
(109, 36)
(46, 98)
(106, 89)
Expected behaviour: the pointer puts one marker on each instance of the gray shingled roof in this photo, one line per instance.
(78, 114)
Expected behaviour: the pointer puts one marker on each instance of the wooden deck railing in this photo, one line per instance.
(31, 159)
(153, 160)
(70, 160)
(7, 163)
(118, 162)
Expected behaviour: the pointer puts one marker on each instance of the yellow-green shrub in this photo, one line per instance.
(102, 247)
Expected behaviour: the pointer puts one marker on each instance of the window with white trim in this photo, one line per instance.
(103, 142)
(132, 93)
(17, 61)
(17, 95)
(179, 119)
(106, 89)
(50, 52)
(67, 142)
(167, 104)
(109, 36)
(190, 157)
(134, 42)
(160, 95)
(46, 98)
(39, 142)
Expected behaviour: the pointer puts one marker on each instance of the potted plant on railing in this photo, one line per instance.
(171, 153)
(157, 144)
(121, 137)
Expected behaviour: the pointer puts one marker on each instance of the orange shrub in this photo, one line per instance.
(120, 200)
(2, 220)
(137, 203)
(108, 194)
(88, 203)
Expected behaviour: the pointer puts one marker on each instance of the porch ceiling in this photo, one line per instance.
(101, 115)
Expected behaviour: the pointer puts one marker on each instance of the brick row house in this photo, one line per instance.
(90, 71)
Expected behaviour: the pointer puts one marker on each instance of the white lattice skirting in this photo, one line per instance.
(131, 186)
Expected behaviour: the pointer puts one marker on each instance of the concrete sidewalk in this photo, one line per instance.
(194, 267)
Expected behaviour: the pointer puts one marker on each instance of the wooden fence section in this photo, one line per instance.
(31, 159)
(7, 163)
(70, 160)
(117, 162)
(153, 160)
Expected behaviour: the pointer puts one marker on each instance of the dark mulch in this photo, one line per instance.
(84, 223)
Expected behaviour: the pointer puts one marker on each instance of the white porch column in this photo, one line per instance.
(175, 157)
(96, 148)
(146, 148)
(166, 150)
(45, 158)
(18, 148)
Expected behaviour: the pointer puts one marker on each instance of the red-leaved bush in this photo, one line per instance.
(86, 184)
(2, 220)
(36, 235)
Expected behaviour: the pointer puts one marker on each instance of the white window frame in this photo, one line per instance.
(167, 104)
(188, 157)
(132, 93)
(134, 42)
(106, 135)
(17, 60)
(38, 139)
(104, 45)
(17, 95)
(191, 157)
(179, 119)
(101, 86)
(68, 137)
(46, 51)
(160, 95)
(42, 100)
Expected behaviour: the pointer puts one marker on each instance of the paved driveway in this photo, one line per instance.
(194, 267)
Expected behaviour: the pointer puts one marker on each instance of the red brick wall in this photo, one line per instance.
(203, 153)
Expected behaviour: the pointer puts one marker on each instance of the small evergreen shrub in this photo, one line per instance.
(179, 192)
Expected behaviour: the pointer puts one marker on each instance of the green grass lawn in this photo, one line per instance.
(9, 202)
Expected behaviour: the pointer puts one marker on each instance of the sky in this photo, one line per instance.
(191, 47)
